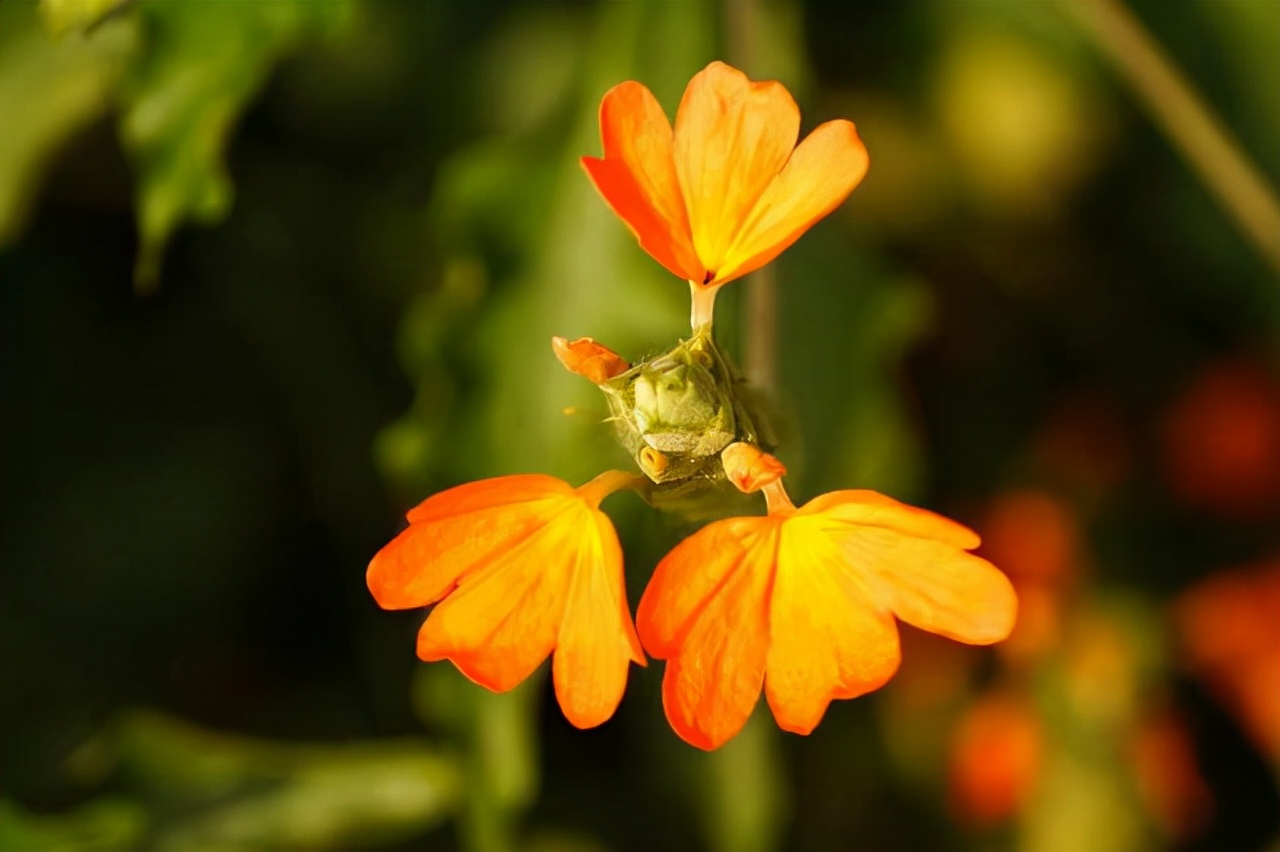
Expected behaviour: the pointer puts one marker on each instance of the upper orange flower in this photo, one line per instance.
(802, 603)
(523, 566)
(729, 189)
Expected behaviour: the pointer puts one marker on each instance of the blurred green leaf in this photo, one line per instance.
(49, 90)
(202, 64)
(109, 825)
(63, 16)
(210, 790)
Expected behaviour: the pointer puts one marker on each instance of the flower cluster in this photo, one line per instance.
(799, 603)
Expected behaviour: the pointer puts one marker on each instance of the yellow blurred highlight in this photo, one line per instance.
(1023, 131)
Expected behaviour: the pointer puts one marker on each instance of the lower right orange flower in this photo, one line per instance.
(801, 603)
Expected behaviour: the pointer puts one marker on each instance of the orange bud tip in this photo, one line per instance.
(586, 358)
(749, 468)
(653, 462)
(607, 483)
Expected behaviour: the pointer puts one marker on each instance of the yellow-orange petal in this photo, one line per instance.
(453, 532)
(827, 638)
(596, 640)
(713, 683)
(502, 620)
(637, 177)
(732, 137)
(933, 585)
(913, 563)
(488, 495)
(687, 578)
(584, 357)
(872, 508)
(817, 178)
(525, 565)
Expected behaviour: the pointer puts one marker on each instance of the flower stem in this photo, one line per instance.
(605, 484)
(777, 500)
(704, 303)
(1187, 120)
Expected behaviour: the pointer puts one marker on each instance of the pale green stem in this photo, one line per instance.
(1186, 119)
(704, 303)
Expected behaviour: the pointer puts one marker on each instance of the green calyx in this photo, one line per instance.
(676, 411)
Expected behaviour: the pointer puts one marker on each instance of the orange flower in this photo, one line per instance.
(522, 566)
(802, 602)
(997, 752)
(1227, 624)
(727, 190)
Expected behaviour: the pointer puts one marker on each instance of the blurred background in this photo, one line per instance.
(273, 272)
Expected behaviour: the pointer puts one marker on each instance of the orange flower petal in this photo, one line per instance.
(934, 586)
(827, 638)
(913, 563)
(584, 357)
(817, 178)
(488, 495)
(711, 686)
(686, 579)
(502, 621)
(525, 565)
(637, 177)
(596, 638)
(453, 532)
(732, 137)
(871, 508)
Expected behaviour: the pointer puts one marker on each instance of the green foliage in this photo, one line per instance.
(108, 825)
(63, 16)
(181, 74)
(414, 229)
(49, 90)
(197, 790)
(200, 65)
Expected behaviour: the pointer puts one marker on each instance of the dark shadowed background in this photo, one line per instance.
(271, 273)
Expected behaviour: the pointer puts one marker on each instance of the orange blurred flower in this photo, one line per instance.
(727, 190)
(521, 566)
(997, 752)
(1034, 537)
(1227, 624)
(802, 602)
(1033, 534)
(1221, 441)
(1167, 773)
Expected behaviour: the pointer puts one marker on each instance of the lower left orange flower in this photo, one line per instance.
(519, 567)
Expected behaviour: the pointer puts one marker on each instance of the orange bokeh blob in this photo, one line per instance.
(1220, 441)
(997, 752)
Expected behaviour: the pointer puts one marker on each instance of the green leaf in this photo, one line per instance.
(108, 825)
(209, 790)
(63, 16)
(202, 64)
(50, 89)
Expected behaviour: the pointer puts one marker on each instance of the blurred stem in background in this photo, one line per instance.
(1191, 125)
(742, 22)
(497, 748)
